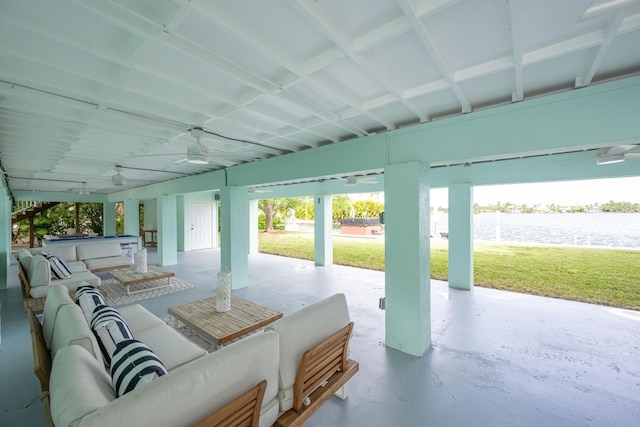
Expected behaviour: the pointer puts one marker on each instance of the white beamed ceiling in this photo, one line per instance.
(86, 85)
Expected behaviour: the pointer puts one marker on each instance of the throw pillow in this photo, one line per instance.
(59, 268)
(133, 365)
(110, 329)
(88, 300)
(83, 288)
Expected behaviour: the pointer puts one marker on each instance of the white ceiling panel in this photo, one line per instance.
(88, 85)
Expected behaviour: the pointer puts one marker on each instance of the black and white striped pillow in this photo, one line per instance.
(88, 298)
(84, 288)
(134, 364)
(110, 329)
(59, 268)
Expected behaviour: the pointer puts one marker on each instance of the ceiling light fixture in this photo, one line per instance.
(609, 159)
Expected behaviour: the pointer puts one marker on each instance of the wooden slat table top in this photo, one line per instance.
(129, 276)
(221, 328)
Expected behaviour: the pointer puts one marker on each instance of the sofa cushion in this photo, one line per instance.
(139, 318)
(39, 272)
(302, 330)
(98, 250)
(173, 349)
(57, 297)
(24, 257)
(110, 329)
(72, 329)
(133, 365)
(79, 385)
(65, 252)
(71, 283)
(107, 262)
(76, 266)
(184, 397)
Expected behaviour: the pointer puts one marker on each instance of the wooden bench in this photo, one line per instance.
(323, 371)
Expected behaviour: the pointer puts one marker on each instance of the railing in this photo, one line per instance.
(23, 206)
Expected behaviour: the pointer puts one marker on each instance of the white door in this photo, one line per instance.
(201, 225)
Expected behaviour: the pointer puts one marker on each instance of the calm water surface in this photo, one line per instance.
(617, 230)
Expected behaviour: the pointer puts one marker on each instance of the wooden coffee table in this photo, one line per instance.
(221, 328)
(129, 276)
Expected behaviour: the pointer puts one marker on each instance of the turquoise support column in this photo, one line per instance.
(234, 230)
(131, 217)
(407, 263)
(182, 227)
(109, 219)
(461, 236)
(323, 236)
(5, 237)
(167, 230)
(253, 227)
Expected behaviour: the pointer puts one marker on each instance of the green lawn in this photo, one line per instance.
(600, 276)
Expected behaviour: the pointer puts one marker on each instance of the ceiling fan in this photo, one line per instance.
(617, 153)
(118, 179)
(198, 153)
(353, 180)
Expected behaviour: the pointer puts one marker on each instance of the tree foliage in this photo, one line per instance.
(61, 217)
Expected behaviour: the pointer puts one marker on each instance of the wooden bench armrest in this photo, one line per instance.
(243, 411)
(44, 398)
(292, 418)
(323, 370)
(41, 356)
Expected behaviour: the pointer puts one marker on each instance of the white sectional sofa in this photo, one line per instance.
(82, 260)
(197, 384)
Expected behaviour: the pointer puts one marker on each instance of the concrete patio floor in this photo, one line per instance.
(497, 359)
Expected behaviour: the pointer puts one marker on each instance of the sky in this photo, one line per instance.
(565, 193)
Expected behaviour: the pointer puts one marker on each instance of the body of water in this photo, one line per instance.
(615, 230)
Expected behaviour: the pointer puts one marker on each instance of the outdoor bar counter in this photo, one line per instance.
(126, 242)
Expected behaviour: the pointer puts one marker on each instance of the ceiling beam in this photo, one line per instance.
(429, 41)
(610, 33)
(320, 19)
(516, 37)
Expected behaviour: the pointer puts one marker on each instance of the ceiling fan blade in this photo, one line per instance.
(159, 155)
(620, 149)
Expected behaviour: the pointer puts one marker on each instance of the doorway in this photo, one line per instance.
(201, 225)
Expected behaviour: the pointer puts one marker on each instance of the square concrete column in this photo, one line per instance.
(167, 230)
(5, 237)
(132, 217)
(461, 236)
(109, 219)
(253, 227)
(182, 225)
(323, 230)
(407, 258)
(234, 231)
